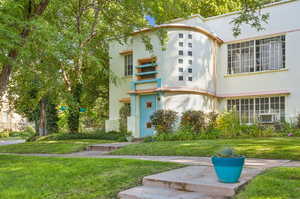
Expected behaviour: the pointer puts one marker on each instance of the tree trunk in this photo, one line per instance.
(74, 114)
(43, 118)
(7, 67)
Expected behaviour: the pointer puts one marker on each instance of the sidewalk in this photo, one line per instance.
(192, 161)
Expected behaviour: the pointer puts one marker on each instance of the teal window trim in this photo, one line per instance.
(146, 65)
(157, 80)
(147, 73)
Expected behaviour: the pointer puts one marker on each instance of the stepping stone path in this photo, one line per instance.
(193, 182)
(107, 147)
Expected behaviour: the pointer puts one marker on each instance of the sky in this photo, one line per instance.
(151, 20)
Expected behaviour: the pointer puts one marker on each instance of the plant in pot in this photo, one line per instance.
(129, 136)
(228, 165)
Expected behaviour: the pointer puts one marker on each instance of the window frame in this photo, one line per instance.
(128, 65)
(256, 57)
(253, 106)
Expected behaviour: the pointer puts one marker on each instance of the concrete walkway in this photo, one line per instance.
(12, 141)
(192, 161)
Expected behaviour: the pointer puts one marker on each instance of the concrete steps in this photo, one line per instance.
(145, 192)
(107, 147)
(193, 182)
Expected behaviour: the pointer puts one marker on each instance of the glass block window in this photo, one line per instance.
(250, 109)
(257, 55)
(190, 53)
(180, 78)
(180, 35)
(180, 61)
(180, 52)
(128, 65)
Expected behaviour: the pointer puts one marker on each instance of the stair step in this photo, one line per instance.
(200, 179)
(107, 147)
(145, 192)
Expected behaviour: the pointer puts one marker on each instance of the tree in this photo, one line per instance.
(71, 40)
(16, 18)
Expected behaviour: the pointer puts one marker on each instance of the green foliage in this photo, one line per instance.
(195, 120)
(211, 118)
(56, 52)
(227, 153)
(26, 133)
(228, 123)
(124, 112)
(298, 122)
(4, 134)
(164, 120)
(100, 135)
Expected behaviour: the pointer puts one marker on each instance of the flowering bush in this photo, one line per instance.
(164, 120)
(229, 124)
(193, 120)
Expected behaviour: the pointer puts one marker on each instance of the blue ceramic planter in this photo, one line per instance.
(228, 170)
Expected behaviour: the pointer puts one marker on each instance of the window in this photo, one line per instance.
(190, 53)
(190, 78)
(180, 70)
(190, 36)
(190, 70)
(149, 104)
(180, 78)
(180, 35)
(190, 62)
(180, 52)
(148, 125)
(180, 61)
(258, 55)
(180, 44)
(128, 65)
(190, 45)
(250, 109)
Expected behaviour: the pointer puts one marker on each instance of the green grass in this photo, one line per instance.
(60, 147)
(71, 178)
(269, 148)
(278, 183)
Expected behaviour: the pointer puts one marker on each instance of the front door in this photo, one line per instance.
(147, 108)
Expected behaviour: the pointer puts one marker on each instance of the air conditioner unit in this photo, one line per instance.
(267, 118)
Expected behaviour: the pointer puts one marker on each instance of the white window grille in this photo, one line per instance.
(128, 65)
(251, 109)
(259, 55)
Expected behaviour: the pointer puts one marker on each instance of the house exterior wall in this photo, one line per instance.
(211, 86)
(9, 119)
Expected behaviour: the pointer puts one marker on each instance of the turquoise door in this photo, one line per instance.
(147, 108)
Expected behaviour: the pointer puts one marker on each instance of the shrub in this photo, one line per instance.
(229, 124)
(164, 120)
(211, 120)
(4, 134)
(123, 114)
(195, 120)
(27, 132)
(113, 135)
(298, 121)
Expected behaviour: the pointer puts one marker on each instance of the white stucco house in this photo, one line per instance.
(204, 67)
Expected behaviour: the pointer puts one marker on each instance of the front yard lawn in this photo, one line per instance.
(269, 148)
(62, 146)
(278, 183)
(71, 178)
